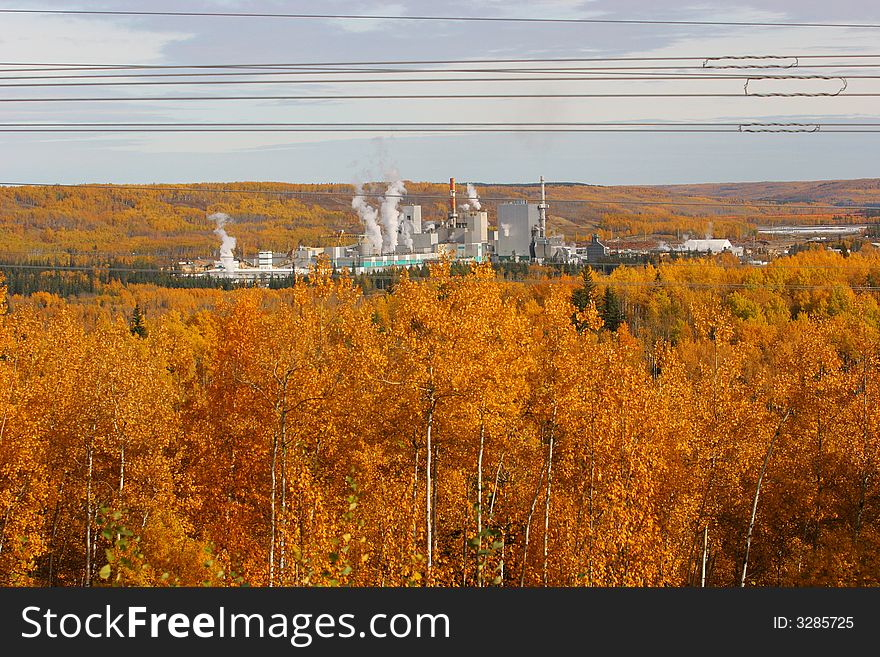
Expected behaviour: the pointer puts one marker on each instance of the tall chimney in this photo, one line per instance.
(453, 213)
(542, 212)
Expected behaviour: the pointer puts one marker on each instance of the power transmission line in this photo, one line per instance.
(425, 62)
(485, 96)
(581, 73)
(626, 72)
(444, 127)
(472, 19)
(683, 77)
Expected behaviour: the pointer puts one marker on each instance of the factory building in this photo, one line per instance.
(516, 221)
(712, 246)
(522, 233)
(464, 235)
(595, 250)
(410, 220)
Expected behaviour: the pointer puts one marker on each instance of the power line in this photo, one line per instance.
(780, 204)
(327, 70)
(628, 71)
(444, 127)
(458, 19)
(425, 62)
(683, 77)
(488, 96)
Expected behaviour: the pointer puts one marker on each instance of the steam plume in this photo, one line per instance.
(368, 215)
(407, 233)
(391, 214)
(473, 199)
(227, 244)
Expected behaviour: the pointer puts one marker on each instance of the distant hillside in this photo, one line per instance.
(865, 191)
(171, 220)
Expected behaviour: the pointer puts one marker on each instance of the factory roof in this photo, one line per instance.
(714, 245)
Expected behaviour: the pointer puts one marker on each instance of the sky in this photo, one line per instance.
(605, 159)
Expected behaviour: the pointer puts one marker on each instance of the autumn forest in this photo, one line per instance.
(695, 423)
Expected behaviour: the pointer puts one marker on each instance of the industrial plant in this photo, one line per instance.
(396, 236)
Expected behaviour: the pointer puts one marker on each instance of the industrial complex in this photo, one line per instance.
(396, 236)
(407, 241)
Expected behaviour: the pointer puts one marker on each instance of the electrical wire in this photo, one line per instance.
(636, 73)
(488, 96)
(702, 59)
(569, 70)
(684, 77)
(471, 19)
(444, 127)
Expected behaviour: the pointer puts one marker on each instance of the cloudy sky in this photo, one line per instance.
(592, 158)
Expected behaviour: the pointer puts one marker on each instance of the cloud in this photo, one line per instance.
(31, 38)
(359, 26)
(543, 9)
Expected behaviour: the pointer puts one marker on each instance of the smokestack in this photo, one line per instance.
(453, 214)
(542, 212)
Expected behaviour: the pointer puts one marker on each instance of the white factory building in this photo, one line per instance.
(712, 246)
(463, 235)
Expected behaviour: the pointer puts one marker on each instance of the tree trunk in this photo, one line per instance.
(495, 488)
(547, 506)
(434, 494)
(705, 553)
(274, 487)
(525, 550)
(480, 504)
(121, 470)
(54, 533)
(492, 515)
(865, 476)
(415, 491)
(767, 456)
(87, 575)
(501, 565)
(592, 527)
(282, 557)
(817, 511)
(429, 481)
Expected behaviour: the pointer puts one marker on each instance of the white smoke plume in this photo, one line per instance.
(473, 199)
(407, 233)
(368, 215)
(709, 230)
(391, 214)
(227, 244)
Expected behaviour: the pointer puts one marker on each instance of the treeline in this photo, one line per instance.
(30, 276)
(460, 430)
(68, 276)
